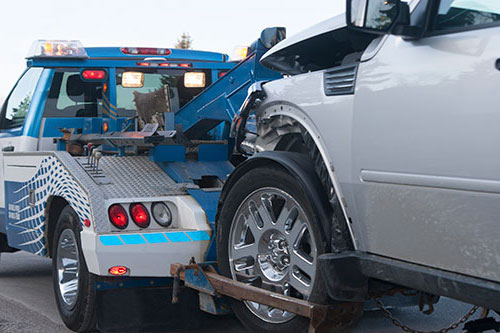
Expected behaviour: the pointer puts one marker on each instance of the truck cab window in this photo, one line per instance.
(466, 13)
(19, 101)
(154, 80)
(70, 96)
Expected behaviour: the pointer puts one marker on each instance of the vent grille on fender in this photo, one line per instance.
(340, 80)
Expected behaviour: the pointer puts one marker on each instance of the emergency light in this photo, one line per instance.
(57, 49)
(240, 53)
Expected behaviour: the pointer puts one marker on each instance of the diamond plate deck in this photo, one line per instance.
(136, 176)
(131, 177)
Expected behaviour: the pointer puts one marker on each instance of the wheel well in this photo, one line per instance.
(55, 205)
(284, 133)
(299, 167)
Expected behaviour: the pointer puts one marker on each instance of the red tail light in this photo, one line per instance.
(118, 270)
(221, 74)
(145, 51)
(140, 215)
(118, 216)
(89, 74)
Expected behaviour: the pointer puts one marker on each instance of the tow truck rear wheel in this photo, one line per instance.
(74, 286)
(268, 236)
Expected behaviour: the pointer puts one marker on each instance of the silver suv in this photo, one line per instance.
(374, 163)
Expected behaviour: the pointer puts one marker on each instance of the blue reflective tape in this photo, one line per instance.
(110, 240)
(155, 238)
(133, 239)
(177, 237)
(198, 235)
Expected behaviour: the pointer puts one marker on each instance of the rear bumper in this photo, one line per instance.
(348, 275)
(147, 254)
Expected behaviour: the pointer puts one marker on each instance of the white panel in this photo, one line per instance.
(21, 168)
(20, 143)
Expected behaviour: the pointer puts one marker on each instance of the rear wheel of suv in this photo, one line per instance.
(74, 286)
(268, 236)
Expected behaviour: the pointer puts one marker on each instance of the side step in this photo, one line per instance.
(348, 274)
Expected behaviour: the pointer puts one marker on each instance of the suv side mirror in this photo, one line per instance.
(272, 36)
(376, 16)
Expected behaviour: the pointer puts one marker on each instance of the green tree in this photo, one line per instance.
(184, 42)
(22, 109)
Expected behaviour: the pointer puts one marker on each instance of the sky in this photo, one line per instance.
(216, 25)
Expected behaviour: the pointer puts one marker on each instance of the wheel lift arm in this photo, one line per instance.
(204, 278)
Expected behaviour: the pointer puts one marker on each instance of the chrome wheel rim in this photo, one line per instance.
(68, 268)
(271, 247)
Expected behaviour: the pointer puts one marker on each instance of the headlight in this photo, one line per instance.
(162, 214)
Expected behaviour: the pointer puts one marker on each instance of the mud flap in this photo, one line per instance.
(150, 309)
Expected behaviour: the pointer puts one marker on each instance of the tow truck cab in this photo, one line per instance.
(68, 86)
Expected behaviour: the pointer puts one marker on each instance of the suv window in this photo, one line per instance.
(70, 96)
(467, 13)
(19, 101)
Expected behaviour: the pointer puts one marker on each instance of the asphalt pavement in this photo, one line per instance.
(27, 303)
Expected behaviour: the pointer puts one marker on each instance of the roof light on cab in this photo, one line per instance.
(132, 80)
(57, 48)
(194, 79)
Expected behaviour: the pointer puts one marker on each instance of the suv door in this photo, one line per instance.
(426, 131)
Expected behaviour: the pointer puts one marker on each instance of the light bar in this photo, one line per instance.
(57, 49)
(145, 51)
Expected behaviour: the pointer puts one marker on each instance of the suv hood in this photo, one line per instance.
(280, 56)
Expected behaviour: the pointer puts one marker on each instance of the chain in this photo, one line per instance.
(405, 328)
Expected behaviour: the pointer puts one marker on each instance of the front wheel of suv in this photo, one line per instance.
(268, 236)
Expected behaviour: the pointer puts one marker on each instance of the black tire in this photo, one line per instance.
(82, 316)
(255, 179)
